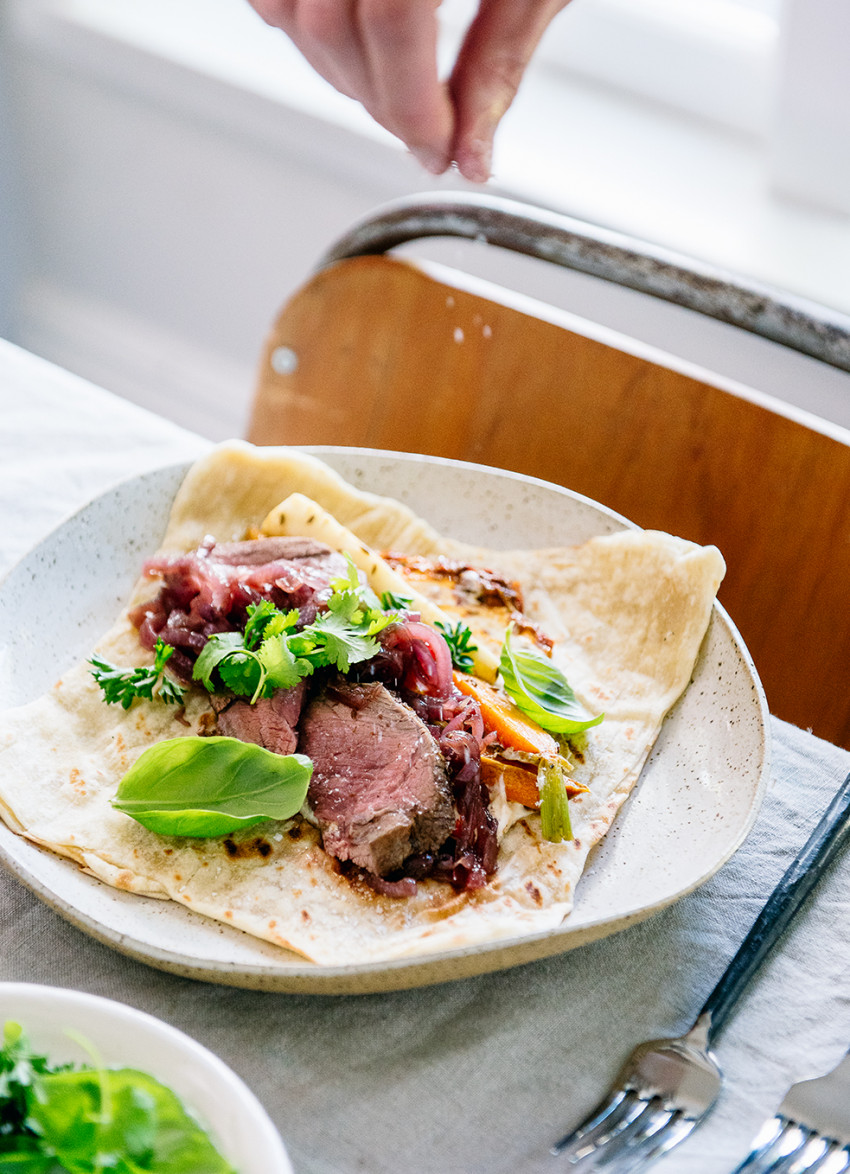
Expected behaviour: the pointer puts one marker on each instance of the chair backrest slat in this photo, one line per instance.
(385, 356)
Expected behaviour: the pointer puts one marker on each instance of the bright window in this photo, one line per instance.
(710, 58)
(777, 71)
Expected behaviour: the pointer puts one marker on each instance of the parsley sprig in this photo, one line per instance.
(459, 639)
(122, 686)
(272, 653)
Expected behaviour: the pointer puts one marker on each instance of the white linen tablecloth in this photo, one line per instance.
(478, 1076)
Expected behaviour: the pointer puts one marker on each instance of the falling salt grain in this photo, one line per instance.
(450, 301)
(487, 331)
(278, 836)
(458, 334)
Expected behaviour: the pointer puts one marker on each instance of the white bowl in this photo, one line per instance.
(124, 1037)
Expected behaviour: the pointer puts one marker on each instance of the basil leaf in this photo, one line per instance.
(205, 787)
(540, 690)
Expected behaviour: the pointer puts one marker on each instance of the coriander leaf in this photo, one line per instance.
(350, 593)
(347, 599)
(266, 620)
(254, 663)
(458, 637)
(283, 668)
(554, 807)
(283, 621)
(123, 686)
(338, 643)
(347, 606)
(242, 673)
(540, 690)
(259, 615)
(218, 647)
(348, 582)
(239, 668)
(272, 654)
(204, 787)
(376, 621)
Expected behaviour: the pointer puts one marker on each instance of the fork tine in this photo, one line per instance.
(792, 1138)
(613, 1116)
(644, 1127)
(763, 1143)
(676, 1130)
(835, 1162)
(629, 1146)
(600, 1113)
(810, 1157)
(783, 1143)
(812, 1154)
(821, 1155)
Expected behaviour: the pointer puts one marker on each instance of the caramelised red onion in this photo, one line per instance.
(406, 887)
(468, 856)
(414, 658)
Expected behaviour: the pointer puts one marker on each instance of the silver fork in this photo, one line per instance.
(810, 1133)
(668, 1086)
(785, 1146)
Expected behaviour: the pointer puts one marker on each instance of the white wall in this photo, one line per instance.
(170, 210)
(161, 245)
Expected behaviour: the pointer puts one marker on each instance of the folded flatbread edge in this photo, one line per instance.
(628, 612)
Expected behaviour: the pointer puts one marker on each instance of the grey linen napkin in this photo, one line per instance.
(482, 1075)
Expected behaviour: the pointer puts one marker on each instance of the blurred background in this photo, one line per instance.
(171, 171)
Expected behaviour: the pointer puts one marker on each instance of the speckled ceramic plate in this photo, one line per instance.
(696, 800)
(123, 1037)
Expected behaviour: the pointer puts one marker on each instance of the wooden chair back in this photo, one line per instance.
(380, 353)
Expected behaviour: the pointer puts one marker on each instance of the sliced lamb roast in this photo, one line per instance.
(255, 552)
(209, 590)
(269, 723)
(379, 790)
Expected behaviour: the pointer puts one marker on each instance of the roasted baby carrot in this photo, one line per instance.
(511, 725)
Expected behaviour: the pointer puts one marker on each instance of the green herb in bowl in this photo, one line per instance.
(89, 1119)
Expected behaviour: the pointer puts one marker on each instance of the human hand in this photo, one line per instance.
(383, 53)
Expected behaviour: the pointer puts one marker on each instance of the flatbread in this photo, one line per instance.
(628, 612)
